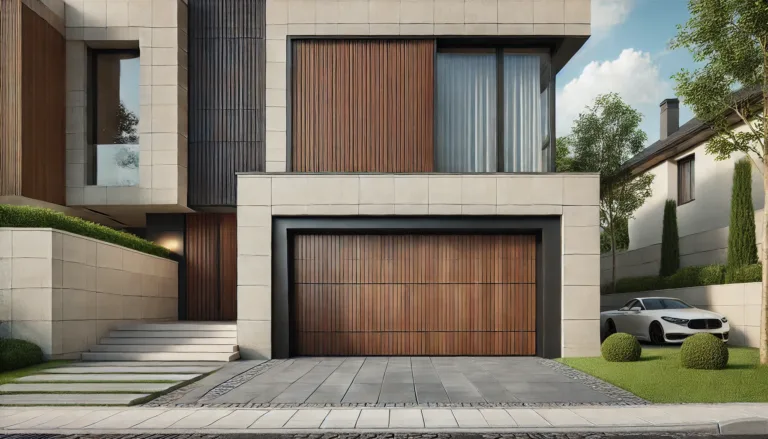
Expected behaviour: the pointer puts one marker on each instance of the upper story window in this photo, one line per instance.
(113, 118)
(492, 111)
(686, 183)
(407, 105)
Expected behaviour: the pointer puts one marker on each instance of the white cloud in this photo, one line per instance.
(633, 75)
(609, 13)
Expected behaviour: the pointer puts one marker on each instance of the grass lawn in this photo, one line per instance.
(7, 377)
(658, 377)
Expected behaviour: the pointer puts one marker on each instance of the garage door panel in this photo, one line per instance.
(414, 295)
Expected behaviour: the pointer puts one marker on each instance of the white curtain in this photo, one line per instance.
(523, 113)
(466, 112)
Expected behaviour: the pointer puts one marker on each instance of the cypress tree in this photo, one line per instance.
(670, 243)
(742, 244)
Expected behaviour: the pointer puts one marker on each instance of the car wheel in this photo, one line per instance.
(610, 328)
(656, 333)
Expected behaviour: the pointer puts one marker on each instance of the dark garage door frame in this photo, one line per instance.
(548, 261)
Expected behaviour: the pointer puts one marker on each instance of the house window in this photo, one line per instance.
(492, 111)
(686, 183)
(113, 118)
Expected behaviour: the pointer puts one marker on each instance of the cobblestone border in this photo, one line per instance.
(622, 396)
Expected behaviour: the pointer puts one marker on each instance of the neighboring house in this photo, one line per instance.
(346, 177)
(683, 171)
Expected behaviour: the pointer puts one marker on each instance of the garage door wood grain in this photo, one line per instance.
(414, 295)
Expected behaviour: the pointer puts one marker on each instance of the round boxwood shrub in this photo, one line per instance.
(621, 347)
(15, 354)
(703, 351)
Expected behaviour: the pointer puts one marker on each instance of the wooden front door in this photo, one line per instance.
(414, 295)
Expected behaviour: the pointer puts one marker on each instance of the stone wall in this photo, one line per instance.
(573, 197)
(740, 303)
(64, 291)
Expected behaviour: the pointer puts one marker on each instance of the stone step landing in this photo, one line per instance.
(168, 341)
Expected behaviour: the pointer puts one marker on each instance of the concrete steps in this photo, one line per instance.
(168, 341)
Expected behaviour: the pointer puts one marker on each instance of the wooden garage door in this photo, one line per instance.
(414, 295)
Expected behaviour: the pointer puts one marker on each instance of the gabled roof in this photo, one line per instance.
(690, 135)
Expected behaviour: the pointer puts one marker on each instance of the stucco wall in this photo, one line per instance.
(740, 303)
(702, 223)
(158, 28)
(64, 291)
(572, 196)
(399, 17)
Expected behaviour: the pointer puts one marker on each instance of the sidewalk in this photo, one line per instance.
(712, 418)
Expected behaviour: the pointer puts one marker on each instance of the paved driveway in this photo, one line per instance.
(412, 380)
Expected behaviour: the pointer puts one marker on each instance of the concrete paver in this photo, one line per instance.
(165, 420)
(19, 417)
(469, 418)
(560, 417)
(406, 418)
(597, 416)
(130, 369)
(341, 418)
(310, 418)
(126, 419)
(438, 418)
(498, 418)
(34, 422)
(201, 418)
(126, 377)
(528, 418)
(273, 419)
(63, 418)
(87, 387)
(71, 398)
(373, 418)
(90, 418)
(238, 419)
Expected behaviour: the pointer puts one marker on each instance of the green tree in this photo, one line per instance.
(563, 159)
(742, 245)
(603, 137)
(670, 241)
(729, 39)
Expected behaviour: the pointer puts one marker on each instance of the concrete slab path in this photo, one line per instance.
(711, 418)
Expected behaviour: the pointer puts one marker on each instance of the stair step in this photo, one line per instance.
(173, 334)
(167, 341)
(164, 348)
(160, 356)
(174, 326)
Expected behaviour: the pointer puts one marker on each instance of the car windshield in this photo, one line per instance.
(654, 304)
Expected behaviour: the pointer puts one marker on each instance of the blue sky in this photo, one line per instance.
(627, 54)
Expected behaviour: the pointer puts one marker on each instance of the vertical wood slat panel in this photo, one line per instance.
(10, 97)
(32, 103)
(439, 297)
(363, 106)
(227, 97)
(211, 257)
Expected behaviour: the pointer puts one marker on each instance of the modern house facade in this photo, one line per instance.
(338, 177)
(701, 185)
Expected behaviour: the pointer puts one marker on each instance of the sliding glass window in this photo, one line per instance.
(493, 111)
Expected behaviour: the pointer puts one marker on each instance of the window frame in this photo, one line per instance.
(690, 161)
(91, 130)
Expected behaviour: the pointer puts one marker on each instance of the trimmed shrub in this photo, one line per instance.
(703, 351)
(742, 245)
(642, 283)
(747, 273)
(621, 347)
(26, 216)
(685, 277)
(15, 354)
(670, 242)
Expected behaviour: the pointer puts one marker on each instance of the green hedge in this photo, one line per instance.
(16, 354)
(26, 216)
(690, 277)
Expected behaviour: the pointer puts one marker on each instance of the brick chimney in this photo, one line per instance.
(670, 117)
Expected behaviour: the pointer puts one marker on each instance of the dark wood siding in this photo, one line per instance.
(211, 266)
(32, 98)
(227, 65)
(415, 295)
(362, 106)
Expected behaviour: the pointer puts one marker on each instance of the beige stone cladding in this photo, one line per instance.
(294, 18)
(573, 197)
(64, 292)
(740, 303)
(158, 28)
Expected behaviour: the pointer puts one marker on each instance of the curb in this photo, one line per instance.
(744, 426)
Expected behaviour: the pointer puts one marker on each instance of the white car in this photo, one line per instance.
(663, 320)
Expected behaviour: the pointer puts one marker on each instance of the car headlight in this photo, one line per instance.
(675, 320)
(725, 320)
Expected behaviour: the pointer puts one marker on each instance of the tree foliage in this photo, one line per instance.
(603, 137)
(742, 245)
(563, 159)
(729, 40)
(670, 241)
